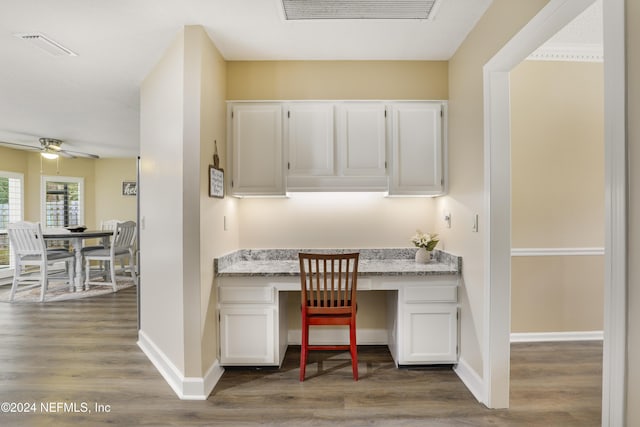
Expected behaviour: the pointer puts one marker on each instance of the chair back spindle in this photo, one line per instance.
(330, 282)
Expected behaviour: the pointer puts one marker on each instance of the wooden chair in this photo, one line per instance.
(121, 246)
(328, 294)
(30, 250)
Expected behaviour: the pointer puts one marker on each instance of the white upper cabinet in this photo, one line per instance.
(362, 138)
(417, 149)
(310, 139)
(256, 149)
(334, 146)
(394, 146)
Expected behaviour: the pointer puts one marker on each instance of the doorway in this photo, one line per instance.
(497, 164)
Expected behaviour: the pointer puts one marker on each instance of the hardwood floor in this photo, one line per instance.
(84, 353)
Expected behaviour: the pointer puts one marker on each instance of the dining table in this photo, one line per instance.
(76, 239)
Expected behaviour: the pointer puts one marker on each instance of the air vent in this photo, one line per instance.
(52, 47)
(359, 9)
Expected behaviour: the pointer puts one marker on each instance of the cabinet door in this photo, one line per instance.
(417, 149)
(247, 336)
(257, 149)
(310, 139)
(362, 139)
(429, 333)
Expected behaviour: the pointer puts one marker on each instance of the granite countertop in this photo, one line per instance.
(373, 262)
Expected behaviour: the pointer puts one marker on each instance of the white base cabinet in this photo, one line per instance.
(247, 335)
(422, 319)
(425, 326)
(253, 323)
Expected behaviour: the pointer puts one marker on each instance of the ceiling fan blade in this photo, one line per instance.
(22, 146)
(70, 154)
(65, 154)
(74, 154)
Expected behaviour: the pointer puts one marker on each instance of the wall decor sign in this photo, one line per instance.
(129, 188)
(216, 176)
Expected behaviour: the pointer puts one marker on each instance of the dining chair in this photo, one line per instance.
(121, 246)
(108, 225)
(30, 250)
(328, 297)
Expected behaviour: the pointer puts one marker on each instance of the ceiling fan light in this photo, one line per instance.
(49, 156)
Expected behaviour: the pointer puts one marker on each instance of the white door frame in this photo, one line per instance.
(497, 163)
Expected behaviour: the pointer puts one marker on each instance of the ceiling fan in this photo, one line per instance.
(51, 148)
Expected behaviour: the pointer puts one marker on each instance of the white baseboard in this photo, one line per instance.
(339, 336)
(470, 379)
(557, 251)
(556, 336)
(187, 388)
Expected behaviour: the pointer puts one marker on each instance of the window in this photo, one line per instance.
(11, 210)
(62, 201)
(62, 204)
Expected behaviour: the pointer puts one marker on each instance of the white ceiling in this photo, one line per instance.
(91, 100)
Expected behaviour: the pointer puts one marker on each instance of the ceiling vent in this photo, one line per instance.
(52, 47)
(359, 9)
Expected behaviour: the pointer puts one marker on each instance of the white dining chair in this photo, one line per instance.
(30, 250)
(122, 243)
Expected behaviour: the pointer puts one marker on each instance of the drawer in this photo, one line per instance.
(420, 294)
(247, 294)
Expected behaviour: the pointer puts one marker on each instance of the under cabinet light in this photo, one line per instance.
(50, 46)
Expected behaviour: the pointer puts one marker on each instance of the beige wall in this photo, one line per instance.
(215, 240)
(333, 220)
(503, 19)
(633, 102)
(249, 80)
(557, 167)
(101, 177)
(110, 203)
(557, 293)
(557, 154)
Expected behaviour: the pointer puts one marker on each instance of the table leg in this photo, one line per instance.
(77, 245)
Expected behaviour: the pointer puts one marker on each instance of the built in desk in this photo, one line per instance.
(422, 304)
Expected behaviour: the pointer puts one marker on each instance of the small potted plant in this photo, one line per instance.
(425, 242)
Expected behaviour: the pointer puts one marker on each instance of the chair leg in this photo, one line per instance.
(14, 285)
(112, 266)
(132, 266)
(353, 348)
(44, 280)
(304, 350)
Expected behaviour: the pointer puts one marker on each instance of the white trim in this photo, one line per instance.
(614, 372)
(469, 378)
(556, 251)
(568, 52)
(557, 336)
(187, 388)
(497, 249)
